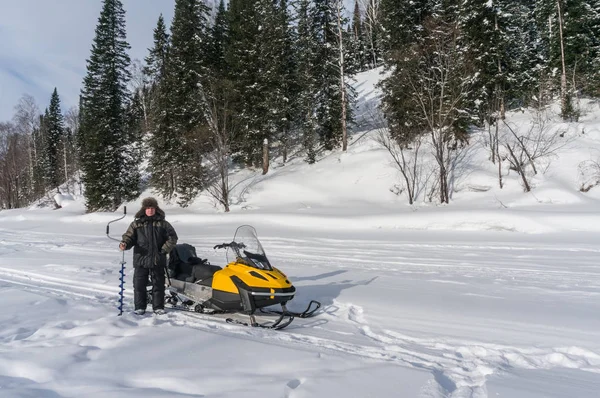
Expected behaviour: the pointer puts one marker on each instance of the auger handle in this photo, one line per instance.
(108, 225)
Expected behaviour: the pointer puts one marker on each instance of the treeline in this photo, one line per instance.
(37, 152)
(457, 63)
(241, 83)
(251, 80)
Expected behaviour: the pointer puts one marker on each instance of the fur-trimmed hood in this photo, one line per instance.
(150, 202)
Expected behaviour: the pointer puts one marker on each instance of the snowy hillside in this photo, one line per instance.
(494, 295)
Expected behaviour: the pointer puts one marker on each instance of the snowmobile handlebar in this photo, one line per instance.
(233, 245)
(110, 222)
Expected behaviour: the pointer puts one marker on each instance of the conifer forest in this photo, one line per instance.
(237, 83)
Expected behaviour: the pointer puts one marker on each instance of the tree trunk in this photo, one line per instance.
(225, 190)
(563, 76)
(65, 165)
(519, 168)
(265, 160)
(497, 156)
(284, 143)
(498, 88)
(30, 150)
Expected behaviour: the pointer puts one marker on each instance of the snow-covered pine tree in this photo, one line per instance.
(153, 74)
(580, 25)
(582, 44)
(244, 66)
(134, 119)
(592, 78)
(156, 60)
(520, 42)
(275, 68)
(402, 27)
(103, 101)
(357, 61)
(218, 40)
(55, 130)
(306, 46)
(481, 27)
(329, 97)
(183, 122)
(288, 91)
(41, 167)
(373, 32)
(160, 139)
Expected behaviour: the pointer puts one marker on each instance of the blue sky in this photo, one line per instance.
(45, 44)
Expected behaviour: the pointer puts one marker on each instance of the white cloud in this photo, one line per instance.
(45, 44)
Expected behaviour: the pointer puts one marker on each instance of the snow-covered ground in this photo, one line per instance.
(494, 295)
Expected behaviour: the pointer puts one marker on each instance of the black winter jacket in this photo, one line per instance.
(152, 238)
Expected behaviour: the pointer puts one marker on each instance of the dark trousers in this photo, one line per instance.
(140, 281)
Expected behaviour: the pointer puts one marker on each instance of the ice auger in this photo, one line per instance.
(122, 271)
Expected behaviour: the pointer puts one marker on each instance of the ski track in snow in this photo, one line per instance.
(460, 368)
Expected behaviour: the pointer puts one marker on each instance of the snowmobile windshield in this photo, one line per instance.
(248, 249)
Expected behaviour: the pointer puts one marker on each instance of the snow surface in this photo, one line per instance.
(495, 295)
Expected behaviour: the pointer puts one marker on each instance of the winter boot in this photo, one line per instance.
(160, 311)
(139, 311)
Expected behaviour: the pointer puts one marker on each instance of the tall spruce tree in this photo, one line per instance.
(244, 66)
(134, 128)
(183, 122)
(520, 41)
(286, 79)
(329, 109)
(373, 33)
(160, 141)
(306, 46)
(357, 42)
(581, 44)
(156, 60)
(275, 68)
(402, 23)
(55, 130)
(218, 41)
(104, 97)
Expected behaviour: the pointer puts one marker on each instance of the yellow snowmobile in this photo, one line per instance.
(247, 284)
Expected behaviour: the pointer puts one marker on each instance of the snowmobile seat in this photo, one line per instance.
(184, 265)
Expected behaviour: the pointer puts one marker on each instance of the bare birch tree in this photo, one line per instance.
(407, 161)
(439, 87)
(27, 122)
(14, 165)
(218, 112)
(71, 154)
(527, 151)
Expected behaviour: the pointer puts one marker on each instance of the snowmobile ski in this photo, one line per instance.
(307, 313)
(282, 321)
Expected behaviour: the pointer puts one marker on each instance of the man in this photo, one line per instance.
(151, 237)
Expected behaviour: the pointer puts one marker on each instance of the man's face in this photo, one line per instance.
(150, 211)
